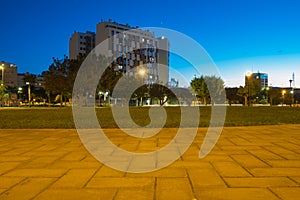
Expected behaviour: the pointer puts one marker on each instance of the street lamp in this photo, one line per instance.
(27, 83)
(142, 73)
(283, 93)
(248, 75)
(267, 95)
(2, 81)
(2, 69)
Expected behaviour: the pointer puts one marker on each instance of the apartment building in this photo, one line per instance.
(8, 75)
(81, 43)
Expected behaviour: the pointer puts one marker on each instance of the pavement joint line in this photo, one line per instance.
(268, 188)
(155, 188)
(258, 158)
(94, 174)
(274, 153)
(190, 182)
(293, 180)
(245, 168)
(44, 189)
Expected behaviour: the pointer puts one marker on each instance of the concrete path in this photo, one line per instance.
(247, 163)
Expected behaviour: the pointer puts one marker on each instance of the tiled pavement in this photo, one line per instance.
(247, 163)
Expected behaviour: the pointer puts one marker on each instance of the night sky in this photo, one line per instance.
(239, 35)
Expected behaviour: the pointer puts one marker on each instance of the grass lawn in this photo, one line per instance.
(62, 117)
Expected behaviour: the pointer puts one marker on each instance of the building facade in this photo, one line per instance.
(81, 43)
(135, 49)
(9, 74)
(262, 78)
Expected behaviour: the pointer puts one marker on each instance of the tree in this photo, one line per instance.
(209, 87)
(60, 77)
(3, 89)
(252, 89)
(200, 88)
(243, 92)
(232, 95)
(216, 89)
(161, 92)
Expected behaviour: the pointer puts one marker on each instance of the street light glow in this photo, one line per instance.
(248, 73)
(142, 72)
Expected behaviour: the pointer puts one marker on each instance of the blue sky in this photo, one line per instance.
(239, 35)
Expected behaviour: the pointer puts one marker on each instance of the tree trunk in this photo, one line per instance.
(204, 101)
(246, 100)
(49, 100)
(61, 100)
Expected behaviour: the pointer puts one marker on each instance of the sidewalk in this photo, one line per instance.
(260, 162)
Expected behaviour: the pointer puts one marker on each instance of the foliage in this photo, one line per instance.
(60, 77)
(161, 92)
(232, 95)
(208, 87)
(250, 91)
(3, 90)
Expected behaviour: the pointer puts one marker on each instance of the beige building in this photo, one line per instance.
(81, 44)
(136, 49)
(9, 74)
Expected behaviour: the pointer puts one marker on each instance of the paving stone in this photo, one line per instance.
(230, 169)
(7, 182)
(105, 171)
(265, 155)
(260, 182)
(284, 163)
(74, 178)
(275, 171)
(27, 189)
(205, 178)
(164, 172)
(71, 194)
(122, 182)
(140, 194)
(287, 193)
(249, 161)
(37, 172)
(296, 178)
(6, 166)
(173, 188)
(235, 194)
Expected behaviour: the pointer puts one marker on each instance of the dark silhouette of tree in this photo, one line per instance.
(161, 92)
(209, 88)
(232, 95)
(200, 88)
(250, 91)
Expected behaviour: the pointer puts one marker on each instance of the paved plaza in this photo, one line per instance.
(261, 162)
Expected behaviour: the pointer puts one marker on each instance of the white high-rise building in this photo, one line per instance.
(134, 49)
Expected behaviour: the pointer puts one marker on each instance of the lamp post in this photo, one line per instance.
(27, 83)
(2, 69)
(142, 73)
(283, 93)
(2, 81)
(292, 91)
(267, 95)
(248, 75)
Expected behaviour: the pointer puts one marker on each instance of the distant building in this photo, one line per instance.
(136, 49)
(39, 81)
(262, 78)
(9, 73)
(81, 44)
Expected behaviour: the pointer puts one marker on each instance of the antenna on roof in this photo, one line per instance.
(294, 84)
